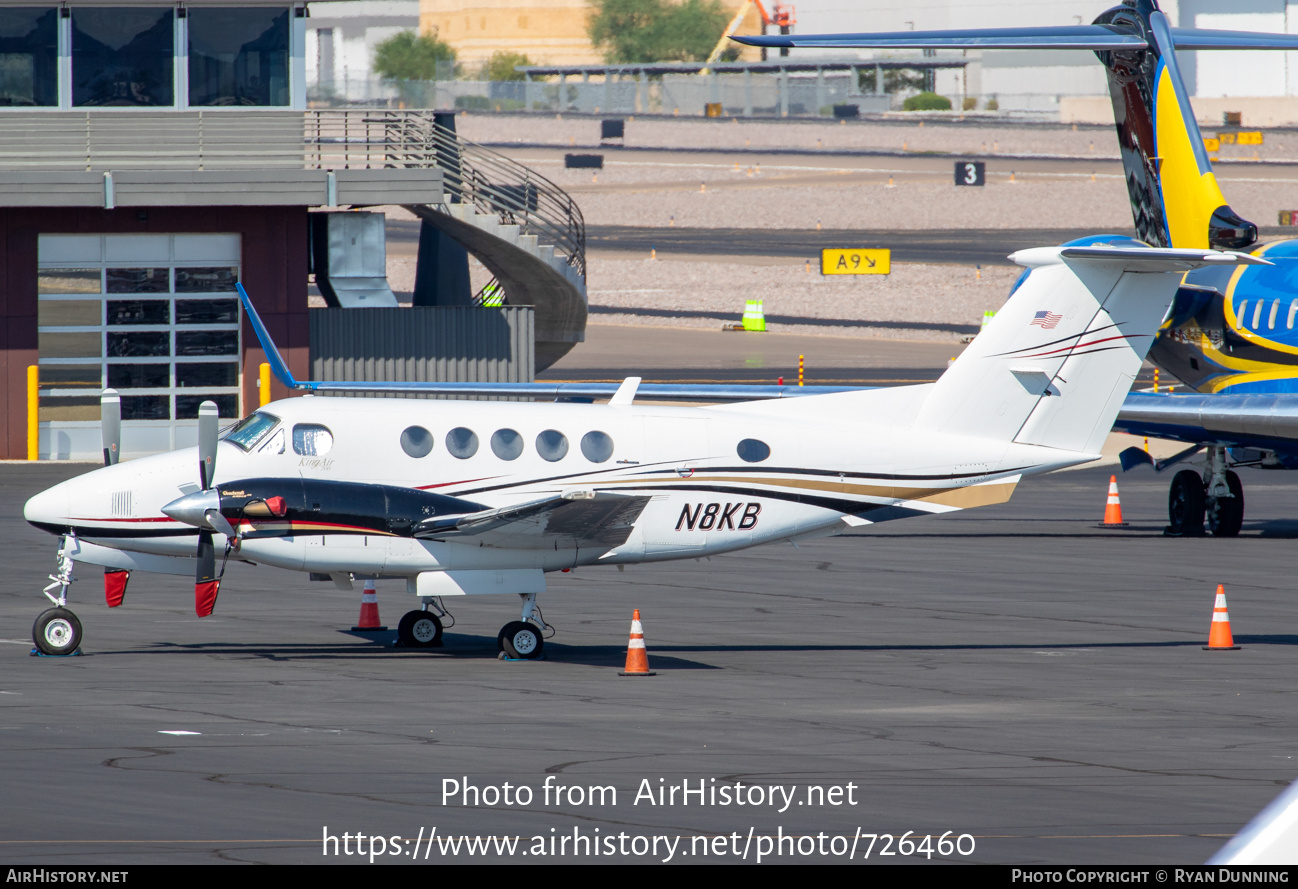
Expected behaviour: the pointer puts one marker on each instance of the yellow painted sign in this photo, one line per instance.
(1212, 144)
(855, 261)
(1252, 137)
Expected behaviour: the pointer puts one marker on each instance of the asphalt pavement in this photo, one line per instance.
(1011, 674)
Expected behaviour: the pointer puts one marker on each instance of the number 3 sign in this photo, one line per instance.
(970, 173)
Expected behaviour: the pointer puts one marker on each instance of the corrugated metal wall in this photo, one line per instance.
(444, 344)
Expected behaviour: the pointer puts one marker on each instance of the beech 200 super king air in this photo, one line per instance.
(469, 497)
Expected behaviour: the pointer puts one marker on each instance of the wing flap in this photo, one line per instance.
(584, 520)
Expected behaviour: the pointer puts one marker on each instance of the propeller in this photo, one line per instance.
(206, 583)
(110, 425)
(110, 428)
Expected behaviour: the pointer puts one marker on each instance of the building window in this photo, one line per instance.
(29, 54)
(238, 56)
(123, 56)
(152, 316)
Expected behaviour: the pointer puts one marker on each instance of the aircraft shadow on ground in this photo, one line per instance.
(383, 646)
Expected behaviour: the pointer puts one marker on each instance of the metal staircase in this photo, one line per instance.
(526, 230)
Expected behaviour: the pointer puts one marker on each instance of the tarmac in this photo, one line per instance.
(1013, 673)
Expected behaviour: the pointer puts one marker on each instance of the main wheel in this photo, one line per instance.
(57, 631)
(420, 629)
(1226, 514)
(1185, 504)
(521, 640)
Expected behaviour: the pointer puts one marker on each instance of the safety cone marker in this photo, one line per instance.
(1219, 637)
(637, 659)
(369, 619)
(1113, 509)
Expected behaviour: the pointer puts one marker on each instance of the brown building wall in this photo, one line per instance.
(274, 261)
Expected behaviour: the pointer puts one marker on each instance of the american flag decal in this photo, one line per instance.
(1045, 320)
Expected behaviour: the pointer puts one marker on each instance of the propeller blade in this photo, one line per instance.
(219, 522)
(206, 584)
(110, 425)
(208, 426)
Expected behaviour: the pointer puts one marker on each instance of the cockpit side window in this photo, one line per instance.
(312, 440)
(251, 429)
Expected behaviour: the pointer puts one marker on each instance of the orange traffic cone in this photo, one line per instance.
(1113, 509)
(1219, 637)
(637, 659)
(369, 619)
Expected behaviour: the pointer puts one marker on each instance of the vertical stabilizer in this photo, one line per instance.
(1175, 199)
(1054, 365)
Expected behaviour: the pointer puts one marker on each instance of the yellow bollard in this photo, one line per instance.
(33, 413)
(653, 252)
(703, 188)
(263, 381)
(1155, 379)
(817, 225)
(801, 366)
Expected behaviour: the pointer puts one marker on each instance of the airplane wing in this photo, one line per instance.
(1245, 421)
(584, 519)
(555, 391)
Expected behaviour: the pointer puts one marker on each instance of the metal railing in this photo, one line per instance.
(488, 181)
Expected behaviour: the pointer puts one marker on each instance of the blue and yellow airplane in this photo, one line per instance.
(1231, 335)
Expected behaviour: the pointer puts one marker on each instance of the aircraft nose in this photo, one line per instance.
(49, 507)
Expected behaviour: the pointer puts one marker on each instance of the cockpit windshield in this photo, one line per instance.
(251, 429)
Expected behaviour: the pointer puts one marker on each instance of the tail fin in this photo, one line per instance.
(1175, 200)
(1054, 365)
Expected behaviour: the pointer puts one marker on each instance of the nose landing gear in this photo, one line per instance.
(57, 630)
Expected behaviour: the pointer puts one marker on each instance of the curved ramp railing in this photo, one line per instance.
(472, 174)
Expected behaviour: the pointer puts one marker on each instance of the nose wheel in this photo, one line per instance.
(57, 631)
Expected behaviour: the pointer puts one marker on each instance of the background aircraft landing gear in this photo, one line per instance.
(1223, 494)
(1226, 513)
(524, 639)
(57, 631)
(1185, 505)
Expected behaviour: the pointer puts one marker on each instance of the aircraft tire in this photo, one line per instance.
(57, 631)
(420, 629)
(521, 640)
(1226, 516)
(1185, 504)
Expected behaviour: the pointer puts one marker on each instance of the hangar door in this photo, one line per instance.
(155, 317)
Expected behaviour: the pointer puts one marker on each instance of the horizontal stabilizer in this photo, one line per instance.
(1159, 258)
(1193, 38)
(1093, 37)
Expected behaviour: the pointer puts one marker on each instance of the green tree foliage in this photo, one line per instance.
(641, 31)
(502, 63)
(894, 80)
(926, 102)
(411, 56)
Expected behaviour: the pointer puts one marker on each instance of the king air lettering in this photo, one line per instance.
(721, 516)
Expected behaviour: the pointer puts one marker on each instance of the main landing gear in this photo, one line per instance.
(1217, 496)
(524, 639)
(57, 630)
(422, 628)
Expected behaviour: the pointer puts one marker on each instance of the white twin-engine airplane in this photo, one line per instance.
(469, 497)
